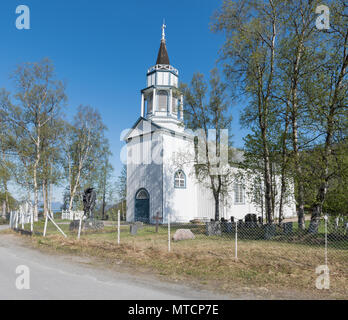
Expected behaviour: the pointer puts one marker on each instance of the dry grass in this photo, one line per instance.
(279, 267)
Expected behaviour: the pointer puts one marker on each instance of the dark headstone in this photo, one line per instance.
(260, 220)
(213, 228)
(269, 231)
(74, 225)
(229, 227)
(91, 224)
(232, 219)
(250, 224)
(251, 218)
(287, 227)
(240, 223)
(313, 227)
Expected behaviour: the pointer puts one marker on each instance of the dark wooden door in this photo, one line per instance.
(142, 206)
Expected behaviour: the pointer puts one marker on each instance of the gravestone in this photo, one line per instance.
(288, 227)
(134, 229)
(251, 218)
(74, 225)
(213, 228)
(232, 219)
(226, 226)
(269, 231)
(230, 227)
(183, 234)
(139, 225)
(337, 221)
(313, 227)
(91, 224)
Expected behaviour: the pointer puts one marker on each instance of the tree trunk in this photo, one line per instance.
(283, 169)
(36, 198)
(4, 209)
(217, 206)
(298, 170)
(44, 198)
(267, 178)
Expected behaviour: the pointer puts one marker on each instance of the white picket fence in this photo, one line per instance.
(72, 215)
(19, 218)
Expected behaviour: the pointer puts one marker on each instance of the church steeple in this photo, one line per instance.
(162, 57)
(161, 100)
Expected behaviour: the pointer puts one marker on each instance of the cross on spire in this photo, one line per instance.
(163, 30)
(162, 57)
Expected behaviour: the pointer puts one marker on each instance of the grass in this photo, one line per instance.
(286, 267)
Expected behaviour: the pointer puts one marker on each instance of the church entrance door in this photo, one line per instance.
(142, 206)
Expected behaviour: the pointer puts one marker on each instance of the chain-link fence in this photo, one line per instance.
(262, 253)
(332, 233)
(274, 250)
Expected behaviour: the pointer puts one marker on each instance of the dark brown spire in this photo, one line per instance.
(163, 57)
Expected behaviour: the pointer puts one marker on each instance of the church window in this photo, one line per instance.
(239, 194)
(162, 100)
(175, 106)
(149, 103)
(180, 179)
(142, 195)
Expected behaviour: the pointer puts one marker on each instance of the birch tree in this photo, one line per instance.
(82, 148)
(203, 113)
(251, 29)
(37, 100)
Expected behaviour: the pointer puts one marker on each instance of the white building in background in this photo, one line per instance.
(156, 183)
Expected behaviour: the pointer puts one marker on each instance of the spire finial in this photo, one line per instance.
(163, 30)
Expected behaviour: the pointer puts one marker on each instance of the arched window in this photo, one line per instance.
(180, 179)
(142, 195)
(162, 100)
(239, 194)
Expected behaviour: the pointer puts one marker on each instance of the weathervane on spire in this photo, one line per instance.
(163, 30)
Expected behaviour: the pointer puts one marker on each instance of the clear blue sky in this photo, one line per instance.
(103, 48)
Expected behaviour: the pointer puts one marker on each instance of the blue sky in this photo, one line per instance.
(102, 49)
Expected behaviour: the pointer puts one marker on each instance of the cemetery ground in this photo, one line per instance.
(264, 268)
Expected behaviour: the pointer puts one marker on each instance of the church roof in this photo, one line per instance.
(163, 57)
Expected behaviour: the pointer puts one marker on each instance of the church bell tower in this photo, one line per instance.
(161, 100)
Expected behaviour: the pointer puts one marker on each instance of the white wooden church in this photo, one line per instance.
(156, 185)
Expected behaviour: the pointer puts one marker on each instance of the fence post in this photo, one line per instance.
(118, 227)
(17, 217)
(22, 219)
(168, 218)
(236, 243)
(80, 224)
(11, 214)
(326, 218)
(32, 221)
(45, 228)
(61, 231)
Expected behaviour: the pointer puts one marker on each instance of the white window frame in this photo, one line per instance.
(180, 181)
(239, 194)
